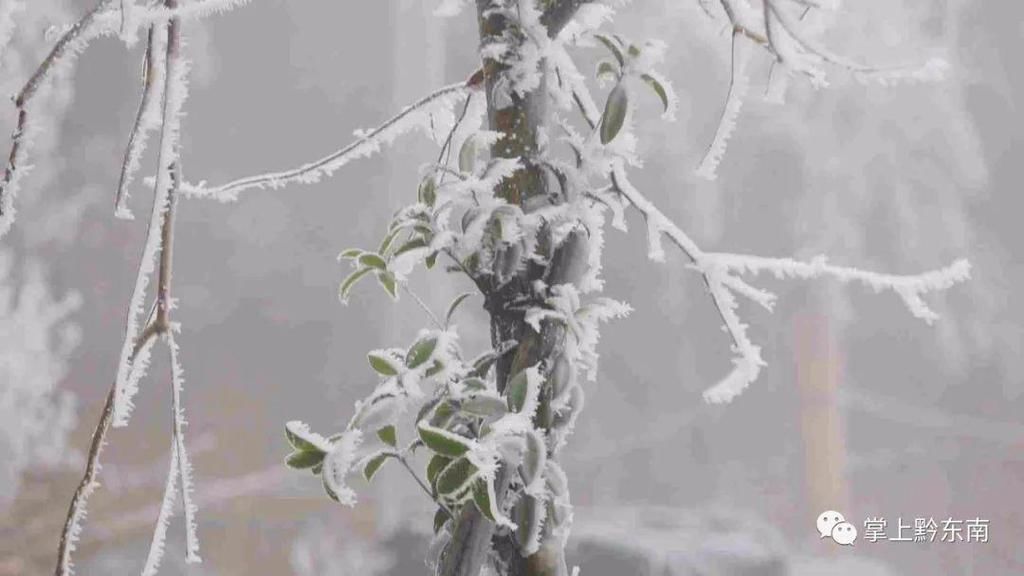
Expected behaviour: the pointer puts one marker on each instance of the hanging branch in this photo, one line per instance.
(70, 45)
(146, 120)
(101, 20)
(160, 238)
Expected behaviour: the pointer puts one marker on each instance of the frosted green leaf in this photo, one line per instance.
(373, 260)
(350, 282)
(350, 254)
(483, 498)
(381, 364)
(387, 281)
(420, 352)
(483, 405)
(427, 192)
(612, 46)
(455, 476)
(658, 89)
(443, 442)
(440, 518)
(614, 113)
(455, 306)
(436, 464)
(388, 435)
(374, 464)
(517, 390)
(304, 459)
(534, 458)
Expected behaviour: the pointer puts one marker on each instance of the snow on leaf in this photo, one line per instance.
(337, 465)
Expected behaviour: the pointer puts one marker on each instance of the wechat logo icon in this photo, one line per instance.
(832, 524)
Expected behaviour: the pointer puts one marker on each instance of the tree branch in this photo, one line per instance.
(153, 77)
(366, 145)
(72, 42)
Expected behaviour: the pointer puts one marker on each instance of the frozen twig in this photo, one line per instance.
(366, 144)
(739, 83)
(722, 273)
(70, 45)
(103, 19)
(147, 118)
(138, 345)
(77, 510)
(175, 91)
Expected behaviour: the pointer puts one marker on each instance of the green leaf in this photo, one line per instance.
(455, 476)
(411, 245)
(483, 497)
(304, 459)
(467, 156)
(658, 89)
(316, 470)
(443, 413)
(388, 282)
(517, 390)
(482, 363)
(388, 435)
(330, 493)
(529, 520)
(534, 458)
(295, 431)
(474, 384)
(442, 441)
(612, 46)
(561, 376)
(350, 282)
(440, 518)
(609, 69)
(633, 51)
(427, 192)
(374, 464)
(431, 260)
(372, 260)
(383, 365)
(420, 352)
(483, 405)
(434, 467)
(614, 113)
(455, 306)
(389, 238)
(351, 254)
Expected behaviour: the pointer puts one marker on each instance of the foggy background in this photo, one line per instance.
(862, 408)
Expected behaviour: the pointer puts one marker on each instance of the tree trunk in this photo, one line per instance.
(474, 536)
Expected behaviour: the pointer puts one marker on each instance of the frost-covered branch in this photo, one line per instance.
(77, 510)
(776, 30)
(417, 115)
(70, 45)
(146, 120)
(722, 275)
(103, 19)
(138, 344)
